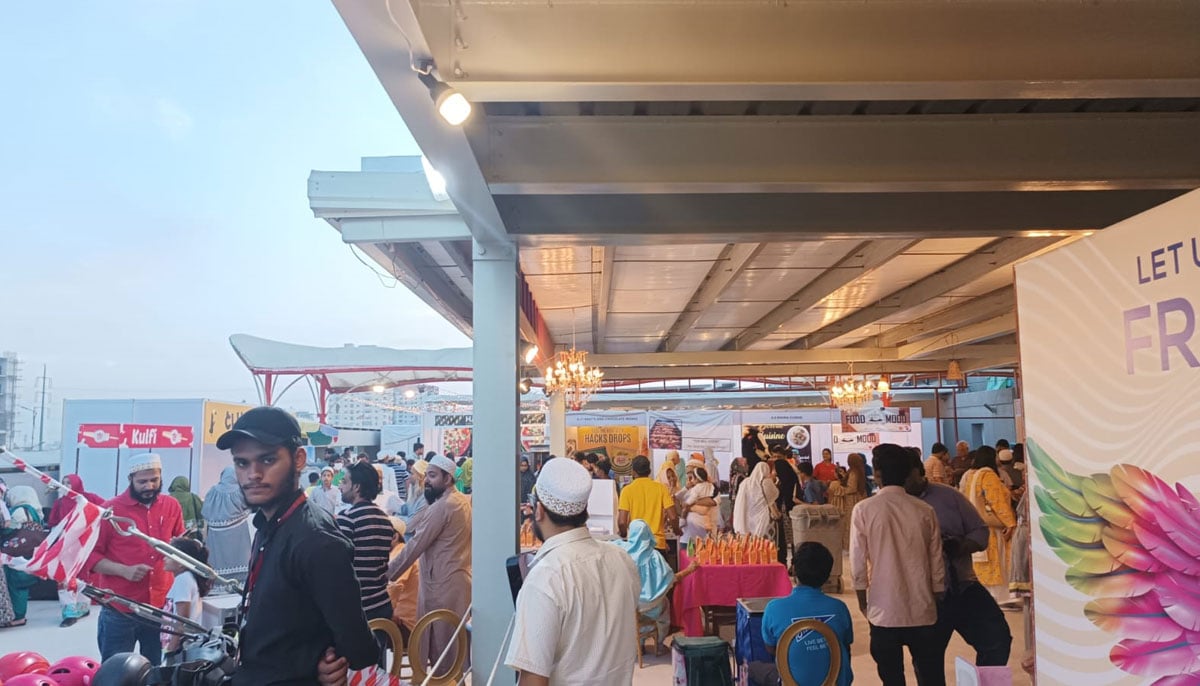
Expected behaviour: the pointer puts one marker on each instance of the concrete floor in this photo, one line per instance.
(43, 634)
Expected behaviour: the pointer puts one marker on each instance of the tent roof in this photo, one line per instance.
(353, 367)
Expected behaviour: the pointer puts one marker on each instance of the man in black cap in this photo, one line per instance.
(298, 552)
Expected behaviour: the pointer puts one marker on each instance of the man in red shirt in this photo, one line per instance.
(826, 472)
(129, 567)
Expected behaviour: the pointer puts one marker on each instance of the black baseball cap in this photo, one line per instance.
(267, 425)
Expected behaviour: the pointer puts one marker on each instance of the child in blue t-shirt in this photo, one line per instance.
(808, 654)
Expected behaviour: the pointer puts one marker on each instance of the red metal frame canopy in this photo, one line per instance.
(346, 369)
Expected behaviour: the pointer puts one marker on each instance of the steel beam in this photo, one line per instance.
(413, 229)
(392, 40)
(861, 260)
(993, 304)
(627, 155)
(983, 48)
(602, 279)
(995, 255)
(747, 358)
(497, 408)
(556, 220)
(427, 282)
(964, 336)
(729, 265)
(336, 195)
(776, 370)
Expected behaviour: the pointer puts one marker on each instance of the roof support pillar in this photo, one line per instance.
(496, 446)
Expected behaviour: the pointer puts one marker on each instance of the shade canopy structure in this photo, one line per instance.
(346, 369)
(732, 189)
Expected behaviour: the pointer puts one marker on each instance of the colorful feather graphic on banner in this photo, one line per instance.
(1132, 542)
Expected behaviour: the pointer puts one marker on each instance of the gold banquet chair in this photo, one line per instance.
(451, 676)
(388, 627)
(782, 663)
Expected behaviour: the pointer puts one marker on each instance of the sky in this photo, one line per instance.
(153, 165)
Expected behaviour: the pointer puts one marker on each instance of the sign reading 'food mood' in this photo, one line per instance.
(1110, 360)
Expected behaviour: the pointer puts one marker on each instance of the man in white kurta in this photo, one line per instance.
(576, 613)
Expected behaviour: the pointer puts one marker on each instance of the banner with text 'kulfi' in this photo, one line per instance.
(1110, 362)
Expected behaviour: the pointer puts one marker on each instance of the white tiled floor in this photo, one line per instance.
(44, 635)
(658, 669)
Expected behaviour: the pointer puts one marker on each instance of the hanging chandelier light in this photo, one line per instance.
(851, 394)
(571, 376)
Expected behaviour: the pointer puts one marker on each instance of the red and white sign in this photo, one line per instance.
(99, 435)
(157, 436)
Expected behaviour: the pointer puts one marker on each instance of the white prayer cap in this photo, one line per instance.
(140, 463)
(563, 487)
(443, 463)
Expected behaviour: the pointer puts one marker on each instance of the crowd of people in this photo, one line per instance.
(930, 553)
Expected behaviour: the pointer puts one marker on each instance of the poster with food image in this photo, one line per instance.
(456, 440)
(620, 444)
(797, 437)
(665, 434)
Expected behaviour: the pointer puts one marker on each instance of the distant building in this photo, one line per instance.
(9, 376)
(370, 410)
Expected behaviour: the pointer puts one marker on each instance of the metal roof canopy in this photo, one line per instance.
(346, 369)
(822, 181)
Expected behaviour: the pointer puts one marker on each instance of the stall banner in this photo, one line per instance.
(620, 444)
(141, 436)
(875, 417)
(1110, 367)
(99, 435)
(157, 436)
(693, 431)
(219, 418)
(533, 429)
(798, 437)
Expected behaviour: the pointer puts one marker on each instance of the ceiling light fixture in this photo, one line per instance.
(525, 385)
(851, 394)
(529, 352)
(378, 388)
(452, 106)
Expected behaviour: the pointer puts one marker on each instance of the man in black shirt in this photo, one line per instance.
(302, 621)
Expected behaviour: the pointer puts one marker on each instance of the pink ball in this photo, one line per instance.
(78, 670)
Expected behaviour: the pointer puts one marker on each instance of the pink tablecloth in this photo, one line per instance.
(718, 585)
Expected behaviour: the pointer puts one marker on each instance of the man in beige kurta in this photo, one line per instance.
(442, 543)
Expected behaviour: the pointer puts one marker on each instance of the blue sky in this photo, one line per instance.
(153, 159)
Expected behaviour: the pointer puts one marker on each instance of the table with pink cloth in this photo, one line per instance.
(723, 585)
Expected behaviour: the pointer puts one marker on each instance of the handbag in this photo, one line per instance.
(21, 540)
(979, 500)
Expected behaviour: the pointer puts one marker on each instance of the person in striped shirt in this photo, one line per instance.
(370, 532)
(937, 467)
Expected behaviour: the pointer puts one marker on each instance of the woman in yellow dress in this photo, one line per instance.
(989, 495)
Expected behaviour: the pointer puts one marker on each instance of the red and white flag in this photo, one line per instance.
(62, 556)
(99, 435)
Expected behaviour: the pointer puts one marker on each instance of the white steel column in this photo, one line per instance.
(496, 445)
(558, 425)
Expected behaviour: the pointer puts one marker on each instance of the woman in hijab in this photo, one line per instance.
(193, 520)
(528, 479)
(655, 574)
(23, 506)
(74, 605)
(993, 500)
(227, 515)
(751, 511)
(845, 495)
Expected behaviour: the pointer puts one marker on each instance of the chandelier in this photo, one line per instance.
(852, 394)
(571, 376)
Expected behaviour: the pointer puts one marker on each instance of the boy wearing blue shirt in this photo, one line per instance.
(809, 654)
